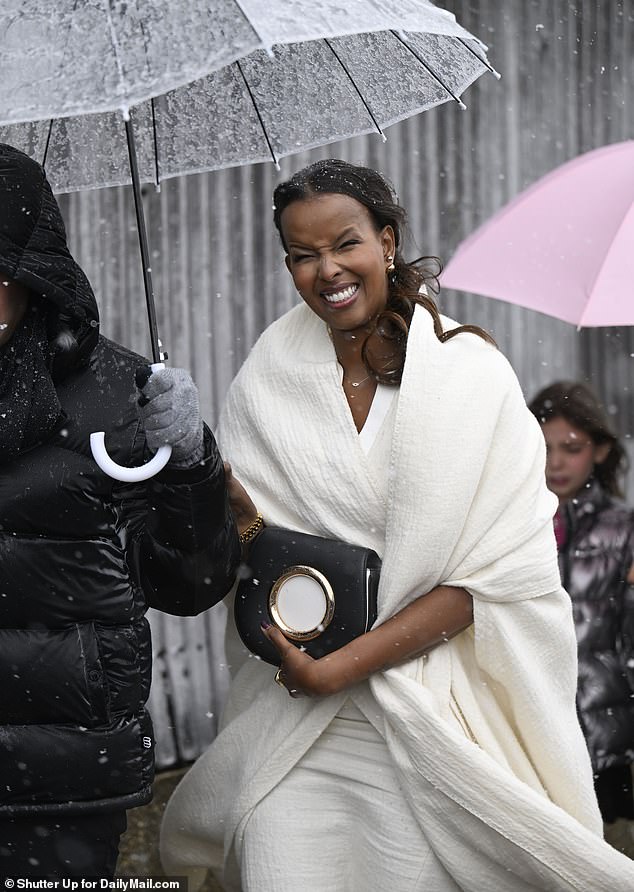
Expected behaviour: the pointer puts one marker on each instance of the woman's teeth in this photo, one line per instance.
(339, 296)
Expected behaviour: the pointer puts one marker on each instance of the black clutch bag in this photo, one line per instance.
(320, 593)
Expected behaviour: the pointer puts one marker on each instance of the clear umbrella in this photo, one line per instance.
(217, 83)
(207, 84)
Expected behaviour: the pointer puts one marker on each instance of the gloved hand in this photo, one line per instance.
(170, 412)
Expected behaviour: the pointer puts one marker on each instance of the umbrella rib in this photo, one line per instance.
(601, 268)
(114, 40)
(257, 111)
(157, 175)
(484, 60)
(264, 44)
(359, 93)
(48, 141)
(157, 178)
(430, 70)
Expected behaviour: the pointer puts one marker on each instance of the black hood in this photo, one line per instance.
(33, 251)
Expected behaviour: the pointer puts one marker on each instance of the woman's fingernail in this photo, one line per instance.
(264, 625)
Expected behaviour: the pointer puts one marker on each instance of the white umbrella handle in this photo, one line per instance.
(120, 472)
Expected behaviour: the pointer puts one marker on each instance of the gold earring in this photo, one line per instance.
(391, 267)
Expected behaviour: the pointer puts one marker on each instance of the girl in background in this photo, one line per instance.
(595, 541)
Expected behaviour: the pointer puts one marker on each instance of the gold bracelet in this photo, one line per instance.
(252, 530)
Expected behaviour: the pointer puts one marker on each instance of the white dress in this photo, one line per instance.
(467, 506)
(339, 820)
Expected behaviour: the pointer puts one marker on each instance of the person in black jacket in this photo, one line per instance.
(595, 538)
(81, 555)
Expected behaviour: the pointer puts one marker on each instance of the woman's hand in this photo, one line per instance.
(243, 509)
(299, 673)
(428, 621)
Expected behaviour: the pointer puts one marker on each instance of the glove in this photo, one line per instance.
(170, 412)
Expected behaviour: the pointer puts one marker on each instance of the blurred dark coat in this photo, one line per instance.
(83, 556)
(594, 564)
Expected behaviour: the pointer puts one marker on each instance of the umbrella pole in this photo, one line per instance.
(143, 241)
(97, 439)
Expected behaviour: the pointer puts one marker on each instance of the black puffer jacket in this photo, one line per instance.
(594, 564)
(82, 556)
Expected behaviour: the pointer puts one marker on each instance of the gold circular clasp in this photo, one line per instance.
(302, 603)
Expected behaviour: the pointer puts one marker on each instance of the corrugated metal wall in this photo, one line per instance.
(568, 70)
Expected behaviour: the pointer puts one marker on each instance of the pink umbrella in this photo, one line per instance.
(564, 246)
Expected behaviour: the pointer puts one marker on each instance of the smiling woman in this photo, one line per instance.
(342, 230)
(440, 749)
(338, 259)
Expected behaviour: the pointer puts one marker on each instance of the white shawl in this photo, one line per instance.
(510, 805)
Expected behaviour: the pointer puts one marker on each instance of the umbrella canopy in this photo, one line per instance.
(564, 246)
(206, 84)
(217, 83)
